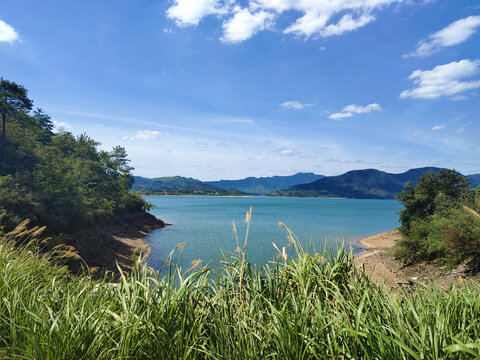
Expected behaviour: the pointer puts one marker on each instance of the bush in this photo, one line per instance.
(462, 236)
(433, 194)
(425, 240)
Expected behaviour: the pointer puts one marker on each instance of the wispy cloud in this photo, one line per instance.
(7, 33)
(438, 127)
(357, 109)
(297, 105)
(286, 152)
(444, 80)
(234, 120)
(340, 116)
(350, 110)
(454, 34)
(144, 135)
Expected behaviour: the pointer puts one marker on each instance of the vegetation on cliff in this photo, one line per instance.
(54, 178)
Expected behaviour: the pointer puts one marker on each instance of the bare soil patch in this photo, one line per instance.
(382, 267)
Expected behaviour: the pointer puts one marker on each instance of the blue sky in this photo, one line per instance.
(224, 89)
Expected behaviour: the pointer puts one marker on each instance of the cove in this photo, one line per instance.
(205, 225)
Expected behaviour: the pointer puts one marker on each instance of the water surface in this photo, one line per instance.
(205, 224)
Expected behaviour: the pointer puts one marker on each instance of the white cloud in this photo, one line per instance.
(347, 23)
(190, 12)
(286, 152)
(438, 127)
(444, 80)
(339, 116)
(317, 18)
(317, 14)
(7, 33)
(245, 24)
(143, 135)
(349, 110)
(60, 126)
(168, 31)
(294, 105)
(358, 109)
(458, 131)
(454, 34)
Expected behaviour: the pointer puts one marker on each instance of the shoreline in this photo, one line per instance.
(262, 196)
(382, 268)
(106, 247)
(376, 261)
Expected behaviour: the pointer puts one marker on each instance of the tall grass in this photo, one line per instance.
(307, 307)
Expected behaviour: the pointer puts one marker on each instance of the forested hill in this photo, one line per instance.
(56, 179)
(178, 185)
(359, 184)
(263, 185)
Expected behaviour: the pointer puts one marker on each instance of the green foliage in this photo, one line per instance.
(57, 179)
(434, 193)
(13, 101)
(438, 220)
(311, 307)
(462, 236)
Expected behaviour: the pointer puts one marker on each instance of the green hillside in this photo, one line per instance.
(358, 184)
(264, 185)
(178, 185)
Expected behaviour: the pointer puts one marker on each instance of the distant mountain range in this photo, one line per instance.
(475, 180)
(264, 185)
(358, 184)
(361, 184)
(178, 185)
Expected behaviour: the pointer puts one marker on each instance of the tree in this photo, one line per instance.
(434, 193)
(13, 98)
(45, 123)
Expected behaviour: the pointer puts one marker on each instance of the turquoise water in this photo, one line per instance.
(205, 224)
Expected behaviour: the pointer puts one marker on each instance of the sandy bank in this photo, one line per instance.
(380, 265)
(376, 260)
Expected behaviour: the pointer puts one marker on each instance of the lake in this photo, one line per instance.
(205, 225)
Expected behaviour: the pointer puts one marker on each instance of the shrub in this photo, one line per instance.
(462, 236)
(434, 222)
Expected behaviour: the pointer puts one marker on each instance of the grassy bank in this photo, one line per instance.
(309, 307)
